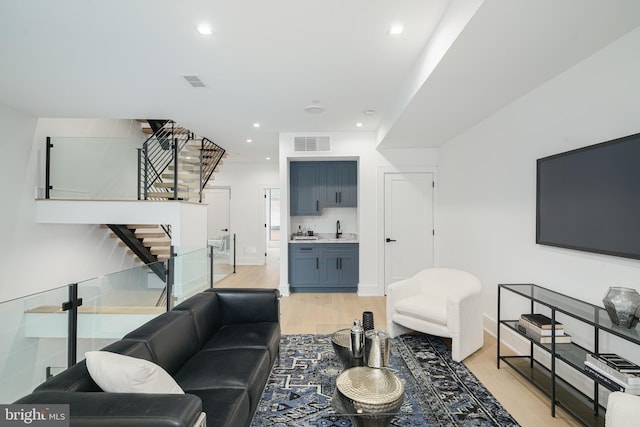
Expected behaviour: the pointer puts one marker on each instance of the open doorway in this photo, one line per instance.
(272, 225)
(219, 235)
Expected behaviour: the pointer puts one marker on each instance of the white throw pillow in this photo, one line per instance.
(117, 373)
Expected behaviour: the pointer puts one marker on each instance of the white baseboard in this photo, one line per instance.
(369, 290)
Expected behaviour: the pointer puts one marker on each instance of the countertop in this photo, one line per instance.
(326, 238)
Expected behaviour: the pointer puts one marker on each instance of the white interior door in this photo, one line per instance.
(218, 223)
(408, 224)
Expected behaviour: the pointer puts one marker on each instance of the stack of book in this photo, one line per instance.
(616, 372)
(538, 327)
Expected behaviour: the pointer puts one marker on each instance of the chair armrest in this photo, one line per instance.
(123, 409)
(248, 305)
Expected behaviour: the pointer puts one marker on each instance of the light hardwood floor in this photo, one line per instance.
(323, 313)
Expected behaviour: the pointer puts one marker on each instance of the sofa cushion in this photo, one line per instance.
(77, 378)
(245, 368)
(227, 407)
(117, 373)
(171, 337)
(265, 335)
(248, 305)
(426, 307)
(205, 313)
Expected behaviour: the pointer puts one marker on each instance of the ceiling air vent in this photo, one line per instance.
(311, 143)
(194, 81)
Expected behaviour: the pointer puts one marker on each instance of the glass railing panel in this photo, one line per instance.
(115, 304)
(223, 254)
(191, 269)
(33, 332)
(94, 168)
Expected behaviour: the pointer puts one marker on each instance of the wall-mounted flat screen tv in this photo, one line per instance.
(589, 199)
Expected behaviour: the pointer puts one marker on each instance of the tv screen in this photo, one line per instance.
(589, 199)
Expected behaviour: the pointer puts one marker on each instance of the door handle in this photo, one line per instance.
(389, 240)
(224, 229)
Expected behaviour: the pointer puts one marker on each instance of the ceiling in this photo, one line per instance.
(457, 62)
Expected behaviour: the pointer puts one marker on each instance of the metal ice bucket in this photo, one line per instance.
(376, 348)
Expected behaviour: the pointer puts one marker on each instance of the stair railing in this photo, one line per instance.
(157, 154)
(211, 156)
(164, 149)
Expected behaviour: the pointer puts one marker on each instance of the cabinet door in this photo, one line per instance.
(304, 189)
(305, 269)
(348, 270)
(331, 270)
(347, 184)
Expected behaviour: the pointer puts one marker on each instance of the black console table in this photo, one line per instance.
(585, 409)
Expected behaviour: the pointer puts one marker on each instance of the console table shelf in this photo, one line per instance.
(585, 409)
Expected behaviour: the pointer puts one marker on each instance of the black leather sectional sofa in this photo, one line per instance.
(218, 345)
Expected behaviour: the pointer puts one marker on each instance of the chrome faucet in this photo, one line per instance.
(338, 232)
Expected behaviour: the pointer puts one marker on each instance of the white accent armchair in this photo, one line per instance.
(623, 410)
(439, 301)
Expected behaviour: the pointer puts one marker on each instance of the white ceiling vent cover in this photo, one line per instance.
(311, 143)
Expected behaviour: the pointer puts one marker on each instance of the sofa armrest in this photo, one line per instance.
(248, 305)
(123, 409)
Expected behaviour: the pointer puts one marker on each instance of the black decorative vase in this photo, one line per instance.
(367, 320)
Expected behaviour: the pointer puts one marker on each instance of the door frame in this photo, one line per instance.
(383, 171)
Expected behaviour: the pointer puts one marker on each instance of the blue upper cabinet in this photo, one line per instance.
(305, 189)
(341, 184)
(315, 185)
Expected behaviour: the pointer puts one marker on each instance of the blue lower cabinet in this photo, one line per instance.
(323, 267)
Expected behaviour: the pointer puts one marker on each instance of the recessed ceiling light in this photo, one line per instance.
(268, 158)
(204, 30)
(369, 112)
(249, 141)
(396, 29)
(256, 125)
(359, 124)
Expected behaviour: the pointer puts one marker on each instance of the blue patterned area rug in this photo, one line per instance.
(438, 391)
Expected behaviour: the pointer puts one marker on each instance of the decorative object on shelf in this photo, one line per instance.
(367, 320)
(376, 348)
(621, 305)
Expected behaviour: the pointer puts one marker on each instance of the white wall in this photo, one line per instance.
(486, 197)
(36, 257)
(358, 146)
(248, 181)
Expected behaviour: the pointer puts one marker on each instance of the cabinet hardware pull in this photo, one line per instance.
(317, 266)
(317, 205)
(336, 197)
(306, 249)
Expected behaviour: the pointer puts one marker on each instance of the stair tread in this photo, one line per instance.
(149, 234)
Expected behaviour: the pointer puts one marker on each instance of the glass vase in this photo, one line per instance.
(621, 305)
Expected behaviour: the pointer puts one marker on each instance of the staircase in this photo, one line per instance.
(176, 164)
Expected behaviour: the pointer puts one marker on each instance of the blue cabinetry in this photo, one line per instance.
(323, 267)
(314, 185)
(305, 188)
(341, 183)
